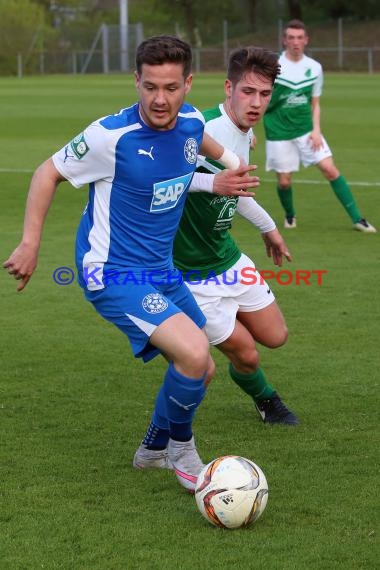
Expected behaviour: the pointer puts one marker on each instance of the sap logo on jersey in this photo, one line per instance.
(167, 193)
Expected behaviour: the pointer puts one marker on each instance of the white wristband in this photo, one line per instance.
(229, 159)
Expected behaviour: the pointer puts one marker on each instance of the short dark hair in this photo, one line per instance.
(164, 49)
(253, 59)
(296, 25)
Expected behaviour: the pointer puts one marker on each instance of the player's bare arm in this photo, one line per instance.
(316, 135)
(23, 261)
(212, 149)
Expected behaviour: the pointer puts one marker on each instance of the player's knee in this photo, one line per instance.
(195, 363)
(329, 170)
(246, 360)
(330, 175)
(284, 181)
(278, 337)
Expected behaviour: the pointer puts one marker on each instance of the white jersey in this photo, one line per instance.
(223, 130)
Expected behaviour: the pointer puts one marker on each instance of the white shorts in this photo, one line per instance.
(222, 297)
(285, 156)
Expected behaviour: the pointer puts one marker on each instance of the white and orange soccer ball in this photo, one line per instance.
(231, 492)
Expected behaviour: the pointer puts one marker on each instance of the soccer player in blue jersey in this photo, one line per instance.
(139, 164)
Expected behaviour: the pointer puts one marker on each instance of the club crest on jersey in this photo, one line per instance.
(191, 151)
(79, 146)
(167, 193)
(154, 303)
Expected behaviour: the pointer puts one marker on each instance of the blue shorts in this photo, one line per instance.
(138, 309)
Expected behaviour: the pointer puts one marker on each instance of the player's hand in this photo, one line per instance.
(236, 182)
(276, 247)
(22, 263)
(315, 139)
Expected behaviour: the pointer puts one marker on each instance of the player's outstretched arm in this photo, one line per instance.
(23, 261)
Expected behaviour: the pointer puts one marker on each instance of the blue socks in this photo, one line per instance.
(176, 403)
(183, 396)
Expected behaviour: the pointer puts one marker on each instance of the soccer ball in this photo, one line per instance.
(231, 491)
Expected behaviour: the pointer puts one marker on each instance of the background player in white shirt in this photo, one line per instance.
(139, 164)
(293, 131)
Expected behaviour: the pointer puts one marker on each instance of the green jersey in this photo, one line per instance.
(203, 242)
(289, 115)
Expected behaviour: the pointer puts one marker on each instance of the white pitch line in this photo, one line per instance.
(271, 180)
(299, 181)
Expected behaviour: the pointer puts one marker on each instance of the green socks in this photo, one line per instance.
(286, 199)
(343, 193)
(254, 384)
(341, 190)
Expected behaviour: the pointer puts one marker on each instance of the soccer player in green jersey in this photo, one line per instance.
(240, 312)
(293, 131)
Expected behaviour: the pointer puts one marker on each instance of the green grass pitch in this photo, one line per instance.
(74, 403)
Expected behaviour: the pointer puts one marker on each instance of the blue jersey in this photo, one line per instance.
(138, 179)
